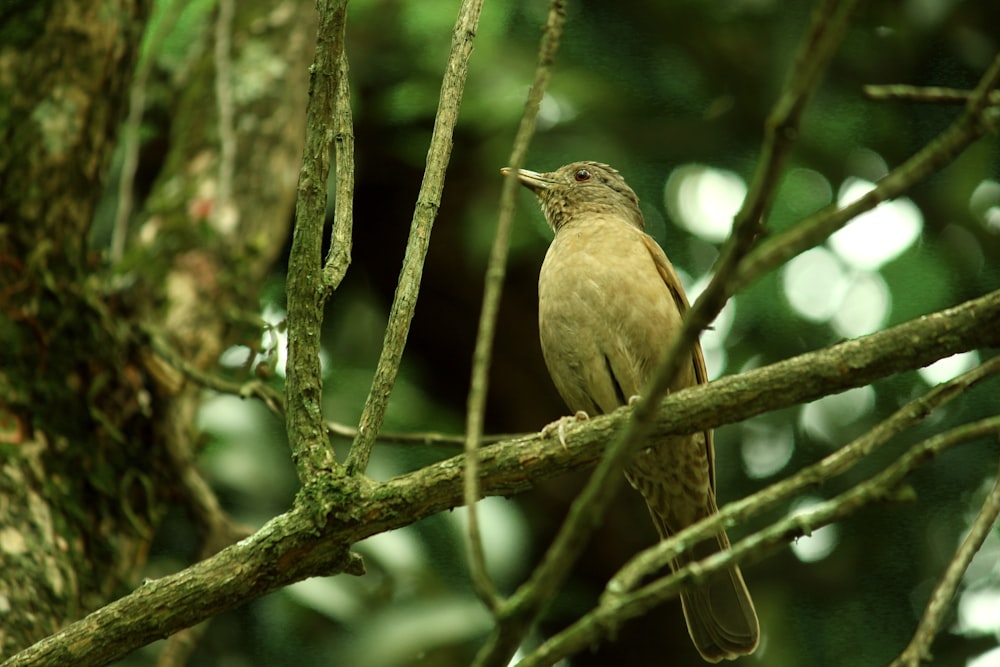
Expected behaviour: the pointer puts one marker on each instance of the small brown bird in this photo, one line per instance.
(608, 300)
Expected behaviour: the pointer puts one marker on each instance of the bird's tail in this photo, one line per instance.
(719, 613)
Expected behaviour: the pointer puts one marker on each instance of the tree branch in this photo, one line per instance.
(293, 546)
(338, 258)
(918, 650)
(971, 125)
(495, 273)
(932, 94)
(428, 200)
(303, 379)
(828, 24)
(653, 559)
(608, 616)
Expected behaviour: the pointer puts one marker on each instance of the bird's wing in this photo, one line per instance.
(673, 283)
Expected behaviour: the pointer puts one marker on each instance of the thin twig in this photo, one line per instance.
(930, 94)
(225, 211)
(815, 229)
(338, 258)
(919, 648)
(495, 273)
(303, 378)
(249, 389)
(275, 402)
(429, 438)
(428, 201)
(781, 130)
(133, 124)
(612, 611)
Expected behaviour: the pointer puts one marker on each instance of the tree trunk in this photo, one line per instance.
(97, 428)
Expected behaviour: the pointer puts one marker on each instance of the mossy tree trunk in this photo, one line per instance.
(97, 427)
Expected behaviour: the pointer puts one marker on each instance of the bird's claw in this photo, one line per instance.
(559, 426)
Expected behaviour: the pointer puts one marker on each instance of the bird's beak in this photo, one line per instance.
(531, 179)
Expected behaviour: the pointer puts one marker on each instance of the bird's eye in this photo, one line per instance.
(581, 175)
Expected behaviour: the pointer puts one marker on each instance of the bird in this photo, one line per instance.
(608, 303)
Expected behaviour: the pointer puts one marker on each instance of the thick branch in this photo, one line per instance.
(291, 547)
(303, 386)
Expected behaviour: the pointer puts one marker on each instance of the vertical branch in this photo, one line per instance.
(495, 272)
(225, 209)
(303, 386)
(133, 124)
(428, 201)
(918, 650)
(339, 256)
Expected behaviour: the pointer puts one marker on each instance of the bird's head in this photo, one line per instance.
(581, 188)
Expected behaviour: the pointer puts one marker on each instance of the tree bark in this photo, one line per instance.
(77, 514)
(293, 546)
(97, 432)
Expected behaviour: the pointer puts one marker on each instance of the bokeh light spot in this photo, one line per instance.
(703, 200)
(814, 284)
(877, 236)
(864, 307)
(945, 369)
(806, 190)
(825, 418)
(821, 543)
(766, 448)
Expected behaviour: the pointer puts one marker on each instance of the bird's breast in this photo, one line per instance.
(605, 313)
(600, 271)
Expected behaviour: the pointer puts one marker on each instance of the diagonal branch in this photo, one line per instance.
(918, 650)
(828, 24)
(428, 201)
(971, 125)
(294, 546)
(658, 556)
(495, 273)
(826, 31)
(606, 618)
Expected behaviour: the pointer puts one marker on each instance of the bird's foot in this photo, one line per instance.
(560, 424)
(632, 400)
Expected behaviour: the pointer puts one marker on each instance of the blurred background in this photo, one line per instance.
(674, 95)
